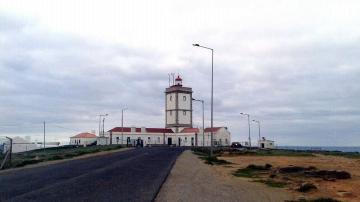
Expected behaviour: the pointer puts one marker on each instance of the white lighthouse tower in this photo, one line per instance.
(178, 106)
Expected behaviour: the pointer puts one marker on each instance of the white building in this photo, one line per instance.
(178, 106)
(266, 144)
(83, 139)
(178, 125)
(166, 136)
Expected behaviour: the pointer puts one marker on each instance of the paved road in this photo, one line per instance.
(133, 175)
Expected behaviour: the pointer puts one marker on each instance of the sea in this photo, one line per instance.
(321, 148)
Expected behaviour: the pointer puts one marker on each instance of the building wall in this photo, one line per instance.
(221, 138)
(184, 101)
(268, 144)
(178, 109)
(82, 141)
(171, 117)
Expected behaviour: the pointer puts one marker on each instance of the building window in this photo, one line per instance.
(184, 98)
(184, 112)
(170, 113)
(158, 139)
(170, 97)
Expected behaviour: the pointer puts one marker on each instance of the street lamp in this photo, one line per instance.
(212, 93)
(248, 115)
(101, 115)
(258, 122)
(122, 125)
(202, 102)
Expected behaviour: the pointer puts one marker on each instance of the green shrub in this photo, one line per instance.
(306, 187)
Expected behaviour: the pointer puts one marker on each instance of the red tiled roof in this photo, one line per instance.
(126, 129)
(159, 130)
(138, 130)
(84, 135)
(214, 129)
(190, 130)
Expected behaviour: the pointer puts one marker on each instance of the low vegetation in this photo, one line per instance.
(55, 153)
(252, 171)
(353, 155)
(211, 160)
(306, 187)
(317, 200)
(272, 183)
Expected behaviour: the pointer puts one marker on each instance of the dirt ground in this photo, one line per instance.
(193, 180)
(344, 190)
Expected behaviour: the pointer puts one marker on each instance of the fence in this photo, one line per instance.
(5, 151)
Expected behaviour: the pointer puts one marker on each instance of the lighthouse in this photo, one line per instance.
(178, 106)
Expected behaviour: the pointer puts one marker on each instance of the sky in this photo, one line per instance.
(292, 65)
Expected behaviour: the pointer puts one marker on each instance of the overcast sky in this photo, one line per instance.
(293, 65)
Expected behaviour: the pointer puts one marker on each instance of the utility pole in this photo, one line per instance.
(122, 125)
(258, 122)
(100, 130)
(248, 116)
(44, 135)
(103, 130)
(202, 102)
(212, 94)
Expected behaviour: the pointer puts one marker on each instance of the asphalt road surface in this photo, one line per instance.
(133, 175)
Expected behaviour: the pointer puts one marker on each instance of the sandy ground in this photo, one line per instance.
(351, 187)
(193, 180)
(63, 160)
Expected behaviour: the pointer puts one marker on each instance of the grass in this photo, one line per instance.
(272, 183)
(276, 152)
(352, 155)
(55, 153)
(211, 160)
(251, 171)
(306, 187)
(317, 200)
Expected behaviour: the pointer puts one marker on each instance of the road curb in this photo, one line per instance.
(165, 178)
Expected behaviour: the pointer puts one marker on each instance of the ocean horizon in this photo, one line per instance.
(323, 148)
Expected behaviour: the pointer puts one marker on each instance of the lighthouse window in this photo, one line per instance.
(184, 98)
(184, 113)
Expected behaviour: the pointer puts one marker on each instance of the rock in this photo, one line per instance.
(329, 174)
(344, 193)
(306, 187)
(292, 169)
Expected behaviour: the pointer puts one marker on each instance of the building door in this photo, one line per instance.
(192, 141)
(179, 142)
(169, 141)
(262, 145)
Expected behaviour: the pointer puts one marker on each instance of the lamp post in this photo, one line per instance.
(212, 93)
(100, 116)
(202, 102)
(258, 122)
(248, 116)
(122, 124)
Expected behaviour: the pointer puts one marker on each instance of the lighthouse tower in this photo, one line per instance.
(178, 106)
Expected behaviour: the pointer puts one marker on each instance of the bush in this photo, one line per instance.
(251, 170)
(272, 183)
(213, 160)
(306, 187)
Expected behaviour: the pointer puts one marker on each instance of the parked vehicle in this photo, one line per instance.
(236, 145)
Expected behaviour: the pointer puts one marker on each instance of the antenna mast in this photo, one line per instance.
(173, 78)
